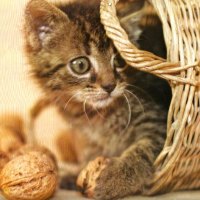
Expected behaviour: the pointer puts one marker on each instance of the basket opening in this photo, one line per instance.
(144, 29)
(143, 26)
(177, 166)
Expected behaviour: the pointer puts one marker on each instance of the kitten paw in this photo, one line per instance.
(87, 179)
(106, 178)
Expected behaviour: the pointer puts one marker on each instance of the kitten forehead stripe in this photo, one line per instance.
(86, 35)
(88, 23)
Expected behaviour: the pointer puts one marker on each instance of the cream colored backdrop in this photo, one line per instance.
(17, 90)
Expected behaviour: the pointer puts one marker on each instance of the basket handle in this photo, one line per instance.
(142, 60)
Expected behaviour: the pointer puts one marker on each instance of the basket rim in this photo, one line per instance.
(149, 62)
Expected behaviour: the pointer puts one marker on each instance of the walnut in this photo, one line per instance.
(30, 176)
(9, 142)
(4, 158)
(29, 148)
(14, 123)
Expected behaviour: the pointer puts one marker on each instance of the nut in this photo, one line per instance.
(9, 142)
(29, 177)
(3, 160)
(14, 123)
(29, 148)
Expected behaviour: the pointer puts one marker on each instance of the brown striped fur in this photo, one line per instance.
(129, 131)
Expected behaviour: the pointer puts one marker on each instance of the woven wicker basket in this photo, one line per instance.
(178, 165)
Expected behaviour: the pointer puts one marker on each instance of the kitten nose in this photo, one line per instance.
(109, 87)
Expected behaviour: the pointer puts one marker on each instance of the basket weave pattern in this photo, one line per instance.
(178, 165)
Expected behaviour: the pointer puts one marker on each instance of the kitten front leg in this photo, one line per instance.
(113, 178)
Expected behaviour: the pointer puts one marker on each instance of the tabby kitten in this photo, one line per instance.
(103, 99)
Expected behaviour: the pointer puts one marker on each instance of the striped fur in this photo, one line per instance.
(130, 130)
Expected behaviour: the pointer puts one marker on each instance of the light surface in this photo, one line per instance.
(194, 195)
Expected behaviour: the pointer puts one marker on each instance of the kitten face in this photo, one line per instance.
(70, 54)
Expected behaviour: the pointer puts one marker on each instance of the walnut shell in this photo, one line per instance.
(32, 176)
(14, 123)
(9, 142)
(29, 148)
(3, 160)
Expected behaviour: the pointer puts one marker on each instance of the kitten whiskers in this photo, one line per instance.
(59, 96)
(73, 96)
(139, 88)
(138, 100)
(99, 112)
(84, 108)
(94, 94)
(130, 113)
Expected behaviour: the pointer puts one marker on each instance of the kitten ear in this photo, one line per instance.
(43, 22)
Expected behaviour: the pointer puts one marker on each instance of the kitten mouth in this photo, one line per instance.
(102, 98)
(101, 101)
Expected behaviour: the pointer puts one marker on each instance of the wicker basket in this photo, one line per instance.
(178, 165)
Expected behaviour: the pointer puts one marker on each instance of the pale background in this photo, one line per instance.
(18, 91)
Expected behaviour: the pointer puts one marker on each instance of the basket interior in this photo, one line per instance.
(178, 165)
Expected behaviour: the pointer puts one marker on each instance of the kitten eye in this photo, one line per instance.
(80, 65)
(119, 63)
